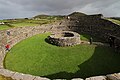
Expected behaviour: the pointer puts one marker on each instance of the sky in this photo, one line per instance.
(29, 8)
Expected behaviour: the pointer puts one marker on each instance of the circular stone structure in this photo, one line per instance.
(65, 38)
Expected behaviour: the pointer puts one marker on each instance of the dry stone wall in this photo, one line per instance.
(16, 35)
(64, 38)
(93, 26)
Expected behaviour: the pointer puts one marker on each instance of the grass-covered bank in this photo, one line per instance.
(115, 21)
(36, 57)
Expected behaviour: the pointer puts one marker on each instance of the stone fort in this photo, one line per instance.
(89, 24)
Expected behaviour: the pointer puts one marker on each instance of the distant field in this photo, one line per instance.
(24, 23)
(37, 57)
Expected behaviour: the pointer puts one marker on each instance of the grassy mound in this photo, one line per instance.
(77, 14)
(37, 57)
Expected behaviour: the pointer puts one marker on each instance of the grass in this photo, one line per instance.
(3, 20)
(27, 23)
(24, 23)
(35, 56)
(115, 21)
(3, 27)
(85, 37)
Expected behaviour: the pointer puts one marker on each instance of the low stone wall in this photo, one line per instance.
(16, 35)
(20, 76)
(65, 38)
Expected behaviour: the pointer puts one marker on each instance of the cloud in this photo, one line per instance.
(29, 8)
(110, 8)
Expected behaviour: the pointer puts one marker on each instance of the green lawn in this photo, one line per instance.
(35, 56)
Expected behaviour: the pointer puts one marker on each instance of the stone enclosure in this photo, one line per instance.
(90, 24)
(65, 38)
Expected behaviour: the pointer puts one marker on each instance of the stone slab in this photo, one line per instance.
(59, 79)
(28, 77)
(6, 72)
(114, 76)
(41, 78)
(97, 78)
(77, 79)
(17, 76)
(20, 76)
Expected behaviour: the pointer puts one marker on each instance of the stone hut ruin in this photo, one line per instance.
(65, 38)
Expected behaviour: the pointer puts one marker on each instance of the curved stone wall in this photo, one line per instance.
(64, 38)
(18, 34)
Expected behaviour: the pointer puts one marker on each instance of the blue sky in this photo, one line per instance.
(29, 8)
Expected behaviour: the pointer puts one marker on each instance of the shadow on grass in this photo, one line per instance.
(47, 41)
(61, 75)
(104, 61)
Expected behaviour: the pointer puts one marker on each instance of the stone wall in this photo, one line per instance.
(16, 35)
(62, 39)
(90, 25)
(94, 26)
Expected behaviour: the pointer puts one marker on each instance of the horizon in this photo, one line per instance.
(57, 15)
